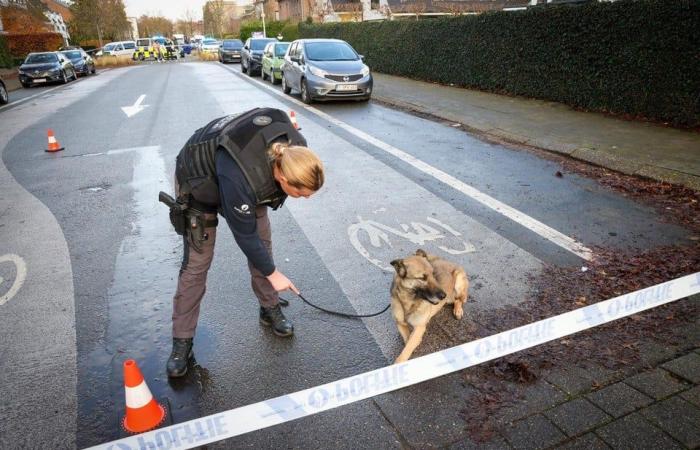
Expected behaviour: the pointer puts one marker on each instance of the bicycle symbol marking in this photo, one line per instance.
(21, 275)
(417, 233)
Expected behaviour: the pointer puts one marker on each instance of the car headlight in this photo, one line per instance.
(21, 72)
(365, 70)
(318, 72)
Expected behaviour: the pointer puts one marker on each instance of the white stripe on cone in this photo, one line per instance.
(52, 140)
(139, 396)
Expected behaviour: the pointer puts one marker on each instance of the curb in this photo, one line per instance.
(596, 157)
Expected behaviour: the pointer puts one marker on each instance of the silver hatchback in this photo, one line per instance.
(325, 69)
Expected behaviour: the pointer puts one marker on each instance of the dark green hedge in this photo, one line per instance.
(640, 58)
(5, 57)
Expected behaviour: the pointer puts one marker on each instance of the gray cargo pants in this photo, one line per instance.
(191, 283)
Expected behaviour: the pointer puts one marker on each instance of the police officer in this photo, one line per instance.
(238, 166)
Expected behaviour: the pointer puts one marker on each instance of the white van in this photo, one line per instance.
(121, 48)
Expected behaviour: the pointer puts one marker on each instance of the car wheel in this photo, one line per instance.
(250, 72)
(305, 97)
(273, 78)
(26, 85)
(92, 71)
(3, 95)
(244, 69)
(285, 87)
(142, 57)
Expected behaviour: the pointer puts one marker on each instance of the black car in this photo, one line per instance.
(3, 94)
(82, 62)
(251, 55)
(230, 50)
(46, 67)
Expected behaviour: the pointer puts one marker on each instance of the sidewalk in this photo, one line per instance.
(638, 148)
(11, 79)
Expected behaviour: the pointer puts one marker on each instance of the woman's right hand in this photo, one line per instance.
(281, 283)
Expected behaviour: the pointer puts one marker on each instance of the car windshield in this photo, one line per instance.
(233, 45)
(209, 42)
(110, 47)
(259, 44)
(143, 43)
(281, 49)
(41, 58)
(330, 51)
(73, 54)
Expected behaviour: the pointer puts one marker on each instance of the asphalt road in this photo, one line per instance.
(100, 260)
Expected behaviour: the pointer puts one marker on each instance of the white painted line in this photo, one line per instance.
(523, 219)
(136, 107)
(18, 102)
(20, 276)
(235, 422)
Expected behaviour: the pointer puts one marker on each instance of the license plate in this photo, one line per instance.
(346, 87)
(39, 80)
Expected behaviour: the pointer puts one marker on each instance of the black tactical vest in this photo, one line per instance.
(246, 137)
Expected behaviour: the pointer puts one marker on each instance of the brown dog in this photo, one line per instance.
(422, 285)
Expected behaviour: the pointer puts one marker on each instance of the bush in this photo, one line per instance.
(22, 44)
(5, 57)
(626, 57)
(114, 61)
(272, 29)
(208, 56)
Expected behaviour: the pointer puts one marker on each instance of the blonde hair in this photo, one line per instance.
(299, 165)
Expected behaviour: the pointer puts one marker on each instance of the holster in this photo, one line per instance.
(188, 221)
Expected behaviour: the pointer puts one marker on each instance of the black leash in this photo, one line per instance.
(284, 302)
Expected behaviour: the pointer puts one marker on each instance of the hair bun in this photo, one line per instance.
(278, 149)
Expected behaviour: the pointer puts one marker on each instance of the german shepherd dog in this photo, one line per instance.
(422, 285)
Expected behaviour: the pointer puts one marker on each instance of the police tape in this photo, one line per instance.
(314, 400)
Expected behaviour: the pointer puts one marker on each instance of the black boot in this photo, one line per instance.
(273, 317)
(180, 356)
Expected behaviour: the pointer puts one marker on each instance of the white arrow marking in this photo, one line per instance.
(137, 108)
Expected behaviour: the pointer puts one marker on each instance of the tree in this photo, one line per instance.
(213, 13)
(155, 25)
(101, 19)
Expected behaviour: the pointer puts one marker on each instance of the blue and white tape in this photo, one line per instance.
(314, 400)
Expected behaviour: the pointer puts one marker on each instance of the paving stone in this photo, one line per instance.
(496, 443)
(535, 432)
(633, 432)
(619, 399)
(678, 418)
(577, 380)
(656, 383)
(533, 399)
(586, 442)
(692, 395)
(687, 366)
(577, 416)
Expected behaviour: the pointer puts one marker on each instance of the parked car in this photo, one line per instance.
(230, 50)
(251, 55)
(4, 98)
(273, 57)
(82, 62)
(145, 49)
(210, 45)
(46, 67)
(325, 69)
(121, 48)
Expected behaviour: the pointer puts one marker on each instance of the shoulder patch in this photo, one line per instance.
(262, 121)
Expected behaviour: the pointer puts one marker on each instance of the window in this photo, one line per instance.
(293, 50)
(259, 44)
(233, 45)
(281, 49)
(39, 58)
(330, 51)
(129, 46)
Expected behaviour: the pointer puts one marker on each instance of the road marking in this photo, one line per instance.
(136, 108)
(20, 101)
(513, 214)
(257, 416)
(419, 235)
(21, 269)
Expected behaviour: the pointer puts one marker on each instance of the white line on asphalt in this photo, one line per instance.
(20, 101)
(20, 276)
(523, 219)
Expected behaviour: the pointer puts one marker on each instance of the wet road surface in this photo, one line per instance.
(375, 207)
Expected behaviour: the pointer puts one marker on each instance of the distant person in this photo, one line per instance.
(238, 165)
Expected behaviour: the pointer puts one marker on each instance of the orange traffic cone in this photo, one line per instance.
(143, 413)
(54, 146)
(293, 117)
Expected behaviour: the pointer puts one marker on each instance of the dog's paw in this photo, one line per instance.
(458, 313)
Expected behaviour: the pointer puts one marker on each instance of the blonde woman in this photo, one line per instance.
(238, 166)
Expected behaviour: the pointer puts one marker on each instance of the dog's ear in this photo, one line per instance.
(421, 252)
(399, 266)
